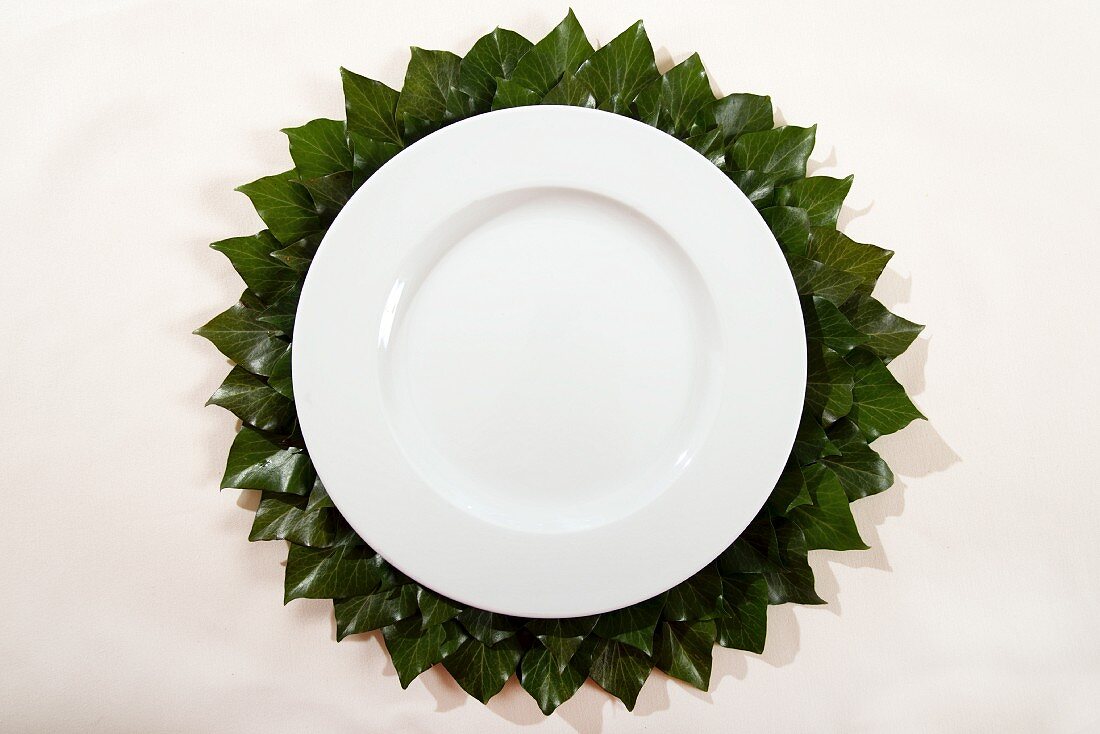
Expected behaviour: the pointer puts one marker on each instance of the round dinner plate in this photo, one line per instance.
(549, 361)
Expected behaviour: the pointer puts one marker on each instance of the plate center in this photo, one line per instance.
(546, 359)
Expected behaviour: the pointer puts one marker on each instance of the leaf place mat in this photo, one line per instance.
(851, 397)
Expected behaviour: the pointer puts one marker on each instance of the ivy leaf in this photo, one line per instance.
(620, 70)
(791, 227)
(549, 684)
(881, 405)
(633, 625)
(620, 669)
(562, 637)
(489, 627)
(483, 670)
(330, 193)
(828, 522)
(861, 471)
(794, 582)
(695, 598)
(570, 91)
(318, 497)
(284, 205)
(684, 651)
(757, 186)
(736, 114)
(673, 101)
(253, 401)
(256, 462)
(494, 56)
(829, 383)
(251, 258)
(743, 624)
(280, 315)
(513, 94)
(790, 490)
(813, 278)
(297, 256)
(709, 145)
(780, 153)
(240, 335)
(413, 649)
(888, 334)
(821, 197)
(810, 442)
(279, 381)
(838, 251)
(756, 550)
(347, 569)
(826, 324)
(560, 52)
(434, 608)
(288, 517)
(372, 611)
(319, 148)
(370, 155)
(431, 86)
(371, 109)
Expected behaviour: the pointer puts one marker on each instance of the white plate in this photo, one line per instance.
(549, 361)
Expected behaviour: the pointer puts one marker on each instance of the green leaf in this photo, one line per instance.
(431, 87)
(673, 101)
(794, 582)
(279, 381)
(828, 522)
(570, 91)
(284, 205)
(489, 627)
(821, 197)
(288, 517)
(297, 256)
(756, 550)
(809, 442)
(330, 193)
(881, 405)
(434, 608)
(829, 383)
(370, 155)
(695, 598)
(684, 651)
(826, 324)
(757, 186)
(549, 684)
(319, 148)
(347, 569)
(494, 56)
(633, 625)
(253, 401)
(482, 670)
(240, 335)
(513, 94)
(861, 471)
(813, 278)
(620, 669)
(256, 462)
(318, 497)
(562, 637)
(620, 70)
(791, 227)
(280, 315)
(413, 648)
(709, 145)
(790, 491)
(251, 257)
(743, 623)
(371, 109)
(560, 52)
(836, 250)
(737, 114)
(372, 611)
(781, 153)
(888, 334)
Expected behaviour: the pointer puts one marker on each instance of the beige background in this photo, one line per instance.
(131, 601)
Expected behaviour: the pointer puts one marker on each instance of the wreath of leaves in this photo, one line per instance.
(851, 397)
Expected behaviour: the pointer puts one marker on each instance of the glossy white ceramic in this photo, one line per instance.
(549, 361)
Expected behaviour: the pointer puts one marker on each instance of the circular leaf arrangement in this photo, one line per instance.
(851, 397)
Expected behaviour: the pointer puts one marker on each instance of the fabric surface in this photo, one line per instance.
(131, 600)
